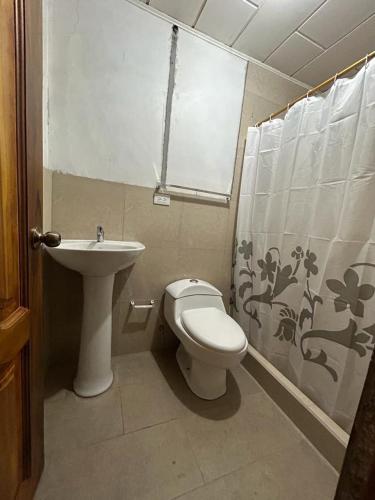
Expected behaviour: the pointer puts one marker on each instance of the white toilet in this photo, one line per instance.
(211, 341)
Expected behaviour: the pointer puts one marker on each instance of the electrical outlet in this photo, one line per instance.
(162, 199)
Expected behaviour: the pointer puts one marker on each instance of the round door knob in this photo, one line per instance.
(50, 239)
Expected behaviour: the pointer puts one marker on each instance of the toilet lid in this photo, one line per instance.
(214, 329)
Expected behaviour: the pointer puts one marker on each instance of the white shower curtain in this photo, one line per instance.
(304, 272)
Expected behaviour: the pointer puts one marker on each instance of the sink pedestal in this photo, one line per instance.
(94, 374)
(98, 262)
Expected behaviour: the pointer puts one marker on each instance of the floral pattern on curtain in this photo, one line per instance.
(304, 268)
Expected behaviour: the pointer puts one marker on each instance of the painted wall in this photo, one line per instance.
(185, 240)
(107, 70)
(206, 114)
(107, 66)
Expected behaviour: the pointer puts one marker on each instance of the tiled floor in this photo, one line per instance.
(150, 438)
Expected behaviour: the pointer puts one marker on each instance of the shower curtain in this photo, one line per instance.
(304, 268)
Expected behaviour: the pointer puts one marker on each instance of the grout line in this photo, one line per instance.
(150, 426)
(247, 464)
(253, 3)
(194, 456)
(313, 42)
(246, 24)
(199, 13)
(122, 411)
(333, 45)
(296, 30)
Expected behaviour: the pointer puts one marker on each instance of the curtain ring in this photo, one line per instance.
(287, 108)
(334, 81)
(308, 94)
(270, 118)
(366, 60)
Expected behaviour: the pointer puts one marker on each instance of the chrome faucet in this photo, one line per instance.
(99, 234)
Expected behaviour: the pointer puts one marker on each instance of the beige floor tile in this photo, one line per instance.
(245, 382)
(239, 384)
(74, 422)
(149, 404)
(294, 474)
(138, 368)
(153, 390)
(257, 429)
(152, 464)
(242, 445)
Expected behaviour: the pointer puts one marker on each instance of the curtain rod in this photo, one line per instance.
(318, 87)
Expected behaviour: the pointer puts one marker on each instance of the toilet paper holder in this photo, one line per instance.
(143, 306)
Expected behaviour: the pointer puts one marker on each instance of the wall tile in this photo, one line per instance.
(271, 86)
(187, 239)
(79, 204)
(204, 264)
(152, 272)
(203, 225)
(153, 225)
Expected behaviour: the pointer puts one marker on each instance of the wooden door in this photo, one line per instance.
(21, 363)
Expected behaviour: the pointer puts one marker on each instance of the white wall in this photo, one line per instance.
(206, 113)
(107, 68)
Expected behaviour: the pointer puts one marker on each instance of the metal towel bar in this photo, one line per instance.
(143, 306)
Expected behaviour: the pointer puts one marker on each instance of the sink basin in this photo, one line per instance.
(96, 259)
(98, 263)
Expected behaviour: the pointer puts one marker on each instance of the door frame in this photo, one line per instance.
(29, 72)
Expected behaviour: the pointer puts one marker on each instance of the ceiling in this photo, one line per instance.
(307, 39)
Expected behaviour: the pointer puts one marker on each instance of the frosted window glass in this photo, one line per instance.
(206, 112)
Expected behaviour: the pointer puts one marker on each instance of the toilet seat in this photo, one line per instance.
(214, 329)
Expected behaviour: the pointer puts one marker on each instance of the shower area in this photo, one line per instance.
(304, 260)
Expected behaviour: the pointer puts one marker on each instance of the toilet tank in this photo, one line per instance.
(190, 294)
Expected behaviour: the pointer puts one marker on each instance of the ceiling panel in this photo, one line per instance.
(350, 48)
(294, 53)
(336, 18)
(272, 24)
(309, 39)
(185, 11)
(224, 20)
(255, 2)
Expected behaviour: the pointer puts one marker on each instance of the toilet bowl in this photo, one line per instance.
(211, 342)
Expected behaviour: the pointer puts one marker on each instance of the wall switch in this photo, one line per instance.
(162, 199)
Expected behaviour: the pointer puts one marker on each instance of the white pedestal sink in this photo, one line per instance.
(98, 263)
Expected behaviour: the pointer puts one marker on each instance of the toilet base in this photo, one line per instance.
(206, 381)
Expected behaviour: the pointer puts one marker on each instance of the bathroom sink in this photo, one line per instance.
(93, 258)
(98, 262)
